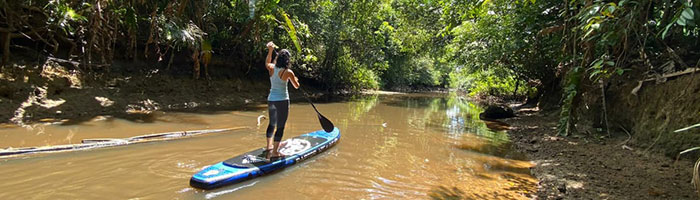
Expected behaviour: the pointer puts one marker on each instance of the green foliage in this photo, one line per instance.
(413, 72)
(533, 40)
(364, 78)
(179, 34)
(291, 30)
(501, 40)
(686, 17)
(573, 81)
(484, 47)
(488, 82)
(356, 76)
(601, 68)
(63, 15)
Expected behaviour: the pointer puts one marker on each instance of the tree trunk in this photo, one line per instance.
(152, 36)
(170, 62)
(134, 45)
(517, 85)
(5, 48)
(181, 9)
(195, 57)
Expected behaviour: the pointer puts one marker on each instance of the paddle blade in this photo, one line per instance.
(325, 123)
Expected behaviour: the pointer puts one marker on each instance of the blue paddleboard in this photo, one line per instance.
(251, 164)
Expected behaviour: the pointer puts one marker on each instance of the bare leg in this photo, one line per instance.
(275, 150)
(270, 147)
(272, 111)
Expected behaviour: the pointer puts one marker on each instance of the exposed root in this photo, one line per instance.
(629, 137)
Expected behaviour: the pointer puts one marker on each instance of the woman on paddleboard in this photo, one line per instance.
(278, 99)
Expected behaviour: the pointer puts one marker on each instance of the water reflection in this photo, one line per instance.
(359, 105)
(449, 111)
(484, 152)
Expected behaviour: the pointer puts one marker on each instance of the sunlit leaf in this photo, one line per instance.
(291, 30)
(681, 21)
(598, 64)
(486, 3)
(688, 14)
(622, 3)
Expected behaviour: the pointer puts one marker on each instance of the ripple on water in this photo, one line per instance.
(214, 194)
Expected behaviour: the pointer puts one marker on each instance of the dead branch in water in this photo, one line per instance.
(111, 142)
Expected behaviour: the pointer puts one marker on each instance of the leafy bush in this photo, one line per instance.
(488, 82)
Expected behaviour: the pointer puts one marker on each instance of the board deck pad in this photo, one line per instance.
(252, 164)
(289, 147)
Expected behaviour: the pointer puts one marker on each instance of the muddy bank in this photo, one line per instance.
(591, 167)
(51, 92)
(652, 110)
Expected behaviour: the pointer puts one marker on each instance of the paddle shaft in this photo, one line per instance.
(325, 123)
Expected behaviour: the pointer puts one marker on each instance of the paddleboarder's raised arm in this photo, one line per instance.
(268, 61)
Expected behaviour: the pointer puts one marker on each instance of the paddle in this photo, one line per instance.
(325, 123)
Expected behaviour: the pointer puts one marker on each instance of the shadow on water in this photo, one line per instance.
(144, 117)
(182, 115)
(361, 104)
(496, 125)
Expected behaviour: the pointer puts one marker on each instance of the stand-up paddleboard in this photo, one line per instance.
(252, 164)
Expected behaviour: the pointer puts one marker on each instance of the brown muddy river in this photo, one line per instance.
(393, 146)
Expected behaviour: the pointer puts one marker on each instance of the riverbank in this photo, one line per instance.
(591, 167)
(53, 93)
